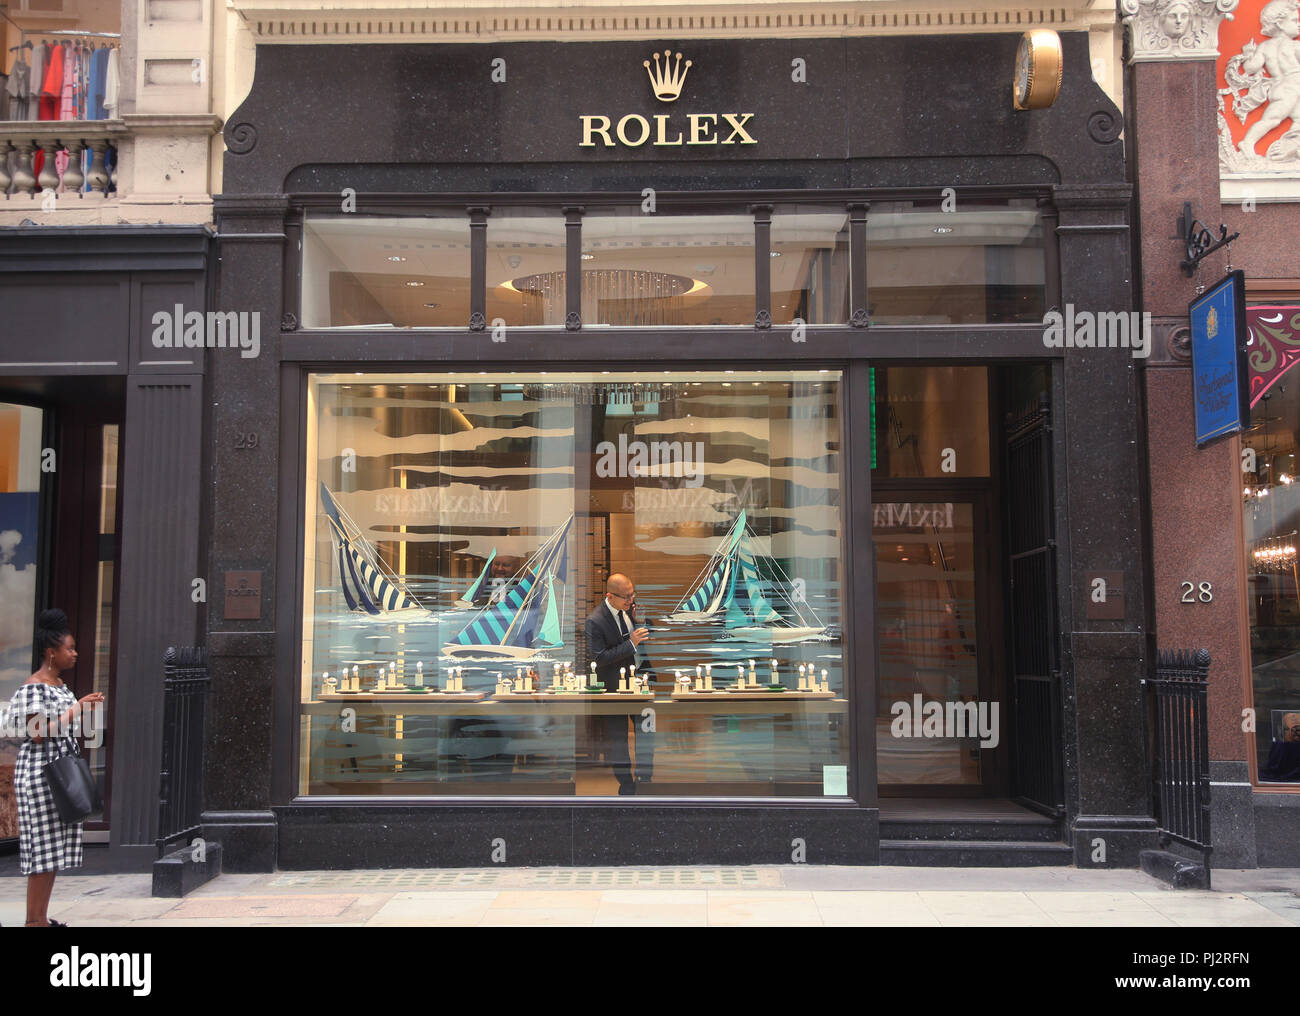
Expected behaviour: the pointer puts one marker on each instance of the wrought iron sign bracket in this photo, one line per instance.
(1198, 240)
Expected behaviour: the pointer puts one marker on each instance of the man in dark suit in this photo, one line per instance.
(615, 640)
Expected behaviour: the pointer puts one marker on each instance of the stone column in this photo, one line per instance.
(1195, 493)
(1100, 477)
(245, 499)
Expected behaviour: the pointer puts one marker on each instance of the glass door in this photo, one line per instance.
(21, 429)
(934, 717)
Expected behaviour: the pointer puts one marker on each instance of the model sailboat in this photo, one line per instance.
(731, 584)
(369, 586)
(526, 618)
(710, 589)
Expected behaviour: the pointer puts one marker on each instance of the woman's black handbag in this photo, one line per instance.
(75, 792)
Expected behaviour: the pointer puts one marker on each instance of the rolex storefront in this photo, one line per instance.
(747, 334)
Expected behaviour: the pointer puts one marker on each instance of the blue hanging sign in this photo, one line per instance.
(1219, 377)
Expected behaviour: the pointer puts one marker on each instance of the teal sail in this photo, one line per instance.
(472, 593)
(550, 633)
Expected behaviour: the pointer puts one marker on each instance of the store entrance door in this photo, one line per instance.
(938, 712)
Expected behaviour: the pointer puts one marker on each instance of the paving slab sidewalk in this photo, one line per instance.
(791, 895)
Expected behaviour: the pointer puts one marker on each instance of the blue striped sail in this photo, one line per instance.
(365, 586)
(493, 625)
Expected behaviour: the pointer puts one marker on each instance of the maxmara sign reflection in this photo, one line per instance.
(667, 130)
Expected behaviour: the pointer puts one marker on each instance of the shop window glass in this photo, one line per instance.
(376, 272)
(464, 527)
(810, 265)
(972, 265)
(20, 484)
(525, 267)
(1272, 519)
(931, 422)
(640, 269)
(928, 632)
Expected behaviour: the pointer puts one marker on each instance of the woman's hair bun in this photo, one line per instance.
(53, 620)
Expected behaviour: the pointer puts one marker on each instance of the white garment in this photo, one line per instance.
(111, 83)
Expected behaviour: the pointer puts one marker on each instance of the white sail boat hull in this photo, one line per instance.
(690, 616)
(391, 616)
(457, 652)
(779, 635)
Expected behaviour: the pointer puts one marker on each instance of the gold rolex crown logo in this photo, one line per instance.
(667, 80)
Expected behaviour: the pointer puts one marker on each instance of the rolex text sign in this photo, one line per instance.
(663, 129)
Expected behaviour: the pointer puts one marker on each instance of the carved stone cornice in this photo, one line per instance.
(318, 22)
(1174, 29)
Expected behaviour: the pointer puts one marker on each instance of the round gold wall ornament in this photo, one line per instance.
(1038, 69)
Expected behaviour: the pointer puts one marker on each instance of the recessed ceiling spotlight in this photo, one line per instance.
(397, 257)
(414, 282)
(589, 257)
(774, 253)
(943, 229)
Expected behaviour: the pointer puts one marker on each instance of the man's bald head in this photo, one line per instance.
(618, 584)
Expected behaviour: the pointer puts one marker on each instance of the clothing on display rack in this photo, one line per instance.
(70, 79)
(19, 84)
(66, 80)
(111, 84)
(52, 86)
(98, 77)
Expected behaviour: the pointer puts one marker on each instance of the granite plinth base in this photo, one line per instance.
(1111, 841)
(345, 837)
(247, 838)
(181, 872)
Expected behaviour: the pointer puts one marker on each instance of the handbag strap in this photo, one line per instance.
(71, 733)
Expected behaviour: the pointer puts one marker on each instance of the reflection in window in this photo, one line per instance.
(386, 272)
(810, 265)
(525, 266)
(464, 532)
(971, 265)
(926, 600)
(932, 421)
(1272, 518)
(663, 269)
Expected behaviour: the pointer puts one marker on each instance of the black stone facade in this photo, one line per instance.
(402, 124)
(78, 305)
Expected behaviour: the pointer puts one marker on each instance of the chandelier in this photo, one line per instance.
(612, 296)
(1277, 555)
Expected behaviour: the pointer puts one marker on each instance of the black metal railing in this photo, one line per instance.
(180, 790)
(1179, 726)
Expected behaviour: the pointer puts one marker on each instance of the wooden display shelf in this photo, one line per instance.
(403, 696)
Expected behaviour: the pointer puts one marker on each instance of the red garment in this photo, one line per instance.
(52, 86)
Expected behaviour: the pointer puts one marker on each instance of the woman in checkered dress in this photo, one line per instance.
(46, 705)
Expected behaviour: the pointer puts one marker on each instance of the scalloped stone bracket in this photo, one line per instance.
(1174, 29)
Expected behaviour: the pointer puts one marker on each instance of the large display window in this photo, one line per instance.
(1272, 518)
(473, 543)
(928, 262)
